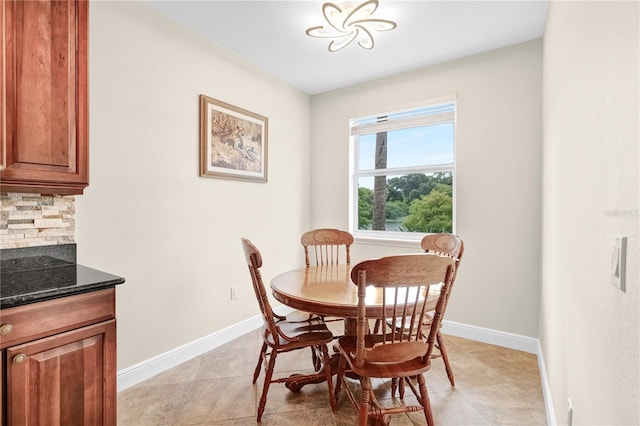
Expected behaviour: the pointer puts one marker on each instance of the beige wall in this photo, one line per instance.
(589, 329)
(498, 179)
(147, 215)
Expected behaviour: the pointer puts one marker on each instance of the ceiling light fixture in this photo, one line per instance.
(348, 22)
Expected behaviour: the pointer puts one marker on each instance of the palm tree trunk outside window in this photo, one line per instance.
(380, 184)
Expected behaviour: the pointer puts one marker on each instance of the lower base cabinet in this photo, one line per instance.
(68, 378)
(63, 380)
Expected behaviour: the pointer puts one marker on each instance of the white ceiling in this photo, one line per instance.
(271, 35)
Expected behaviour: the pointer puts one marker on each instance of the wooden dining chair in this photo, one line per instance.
(280, 335)
(445, 244)
(324, 246)
(448, 245)
(404, 282)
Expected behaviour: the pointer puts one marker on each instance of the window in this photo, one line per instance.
(403, 180)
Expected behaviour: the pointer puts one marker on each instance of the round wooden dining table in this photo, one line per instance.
(327, 290)
(324, 290)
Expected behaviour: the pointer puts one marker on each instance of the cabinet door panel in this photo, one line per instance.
(66, 379)
(45, 66)
(46, 95)
(3, 98)
(3, 405)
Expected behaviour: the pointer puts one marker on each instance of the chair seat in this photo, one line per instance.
(298, 335)
(393, 369)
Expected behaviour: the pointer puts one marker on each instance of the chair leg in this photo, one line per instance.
(256, 372)
(317, 365)
(445, 358)
(327, 372)
(397, 383)
(424, 400)
(342, 365)
(267, 382)
(365, 400)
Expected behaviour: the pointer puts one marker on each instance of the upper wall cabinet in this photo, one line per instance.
(44, 146)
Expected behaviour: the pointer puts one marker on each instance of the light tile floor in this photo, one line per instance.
(494, 386)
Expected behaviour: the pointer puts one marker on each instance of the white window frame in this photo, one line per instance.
(390, 237)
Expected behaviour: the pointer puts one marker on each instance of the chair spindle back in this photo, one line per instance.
(404, 282)
(325, 246)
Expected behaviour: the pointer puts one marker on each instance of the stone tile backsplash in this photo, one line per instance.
(29, 220)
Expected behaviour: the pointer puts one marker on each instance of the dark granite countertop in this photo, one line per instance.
(35, 276)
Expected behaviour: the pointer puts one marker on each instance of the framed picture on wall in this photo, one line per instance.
(233, 142)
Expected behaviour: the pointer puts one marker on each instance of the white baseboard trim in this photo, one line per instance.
(144, 370)
(490, 336)
(546, 389)
(511, 341)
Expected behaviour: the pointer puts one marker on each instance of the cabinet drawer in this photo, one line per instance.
(30, 322)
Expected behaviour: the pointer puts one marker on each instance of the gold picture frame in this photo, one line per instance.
(233, 142)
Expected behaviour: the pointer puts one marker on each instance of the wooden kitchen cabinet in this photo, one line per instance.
(44, 146)
(59, 361)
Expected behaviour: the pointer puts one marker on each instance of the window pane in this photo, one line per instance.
(415, 146)
(367, 151)
(408, 203)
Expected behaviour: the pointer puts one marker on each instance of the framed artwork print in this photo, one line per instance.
(233, 142)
